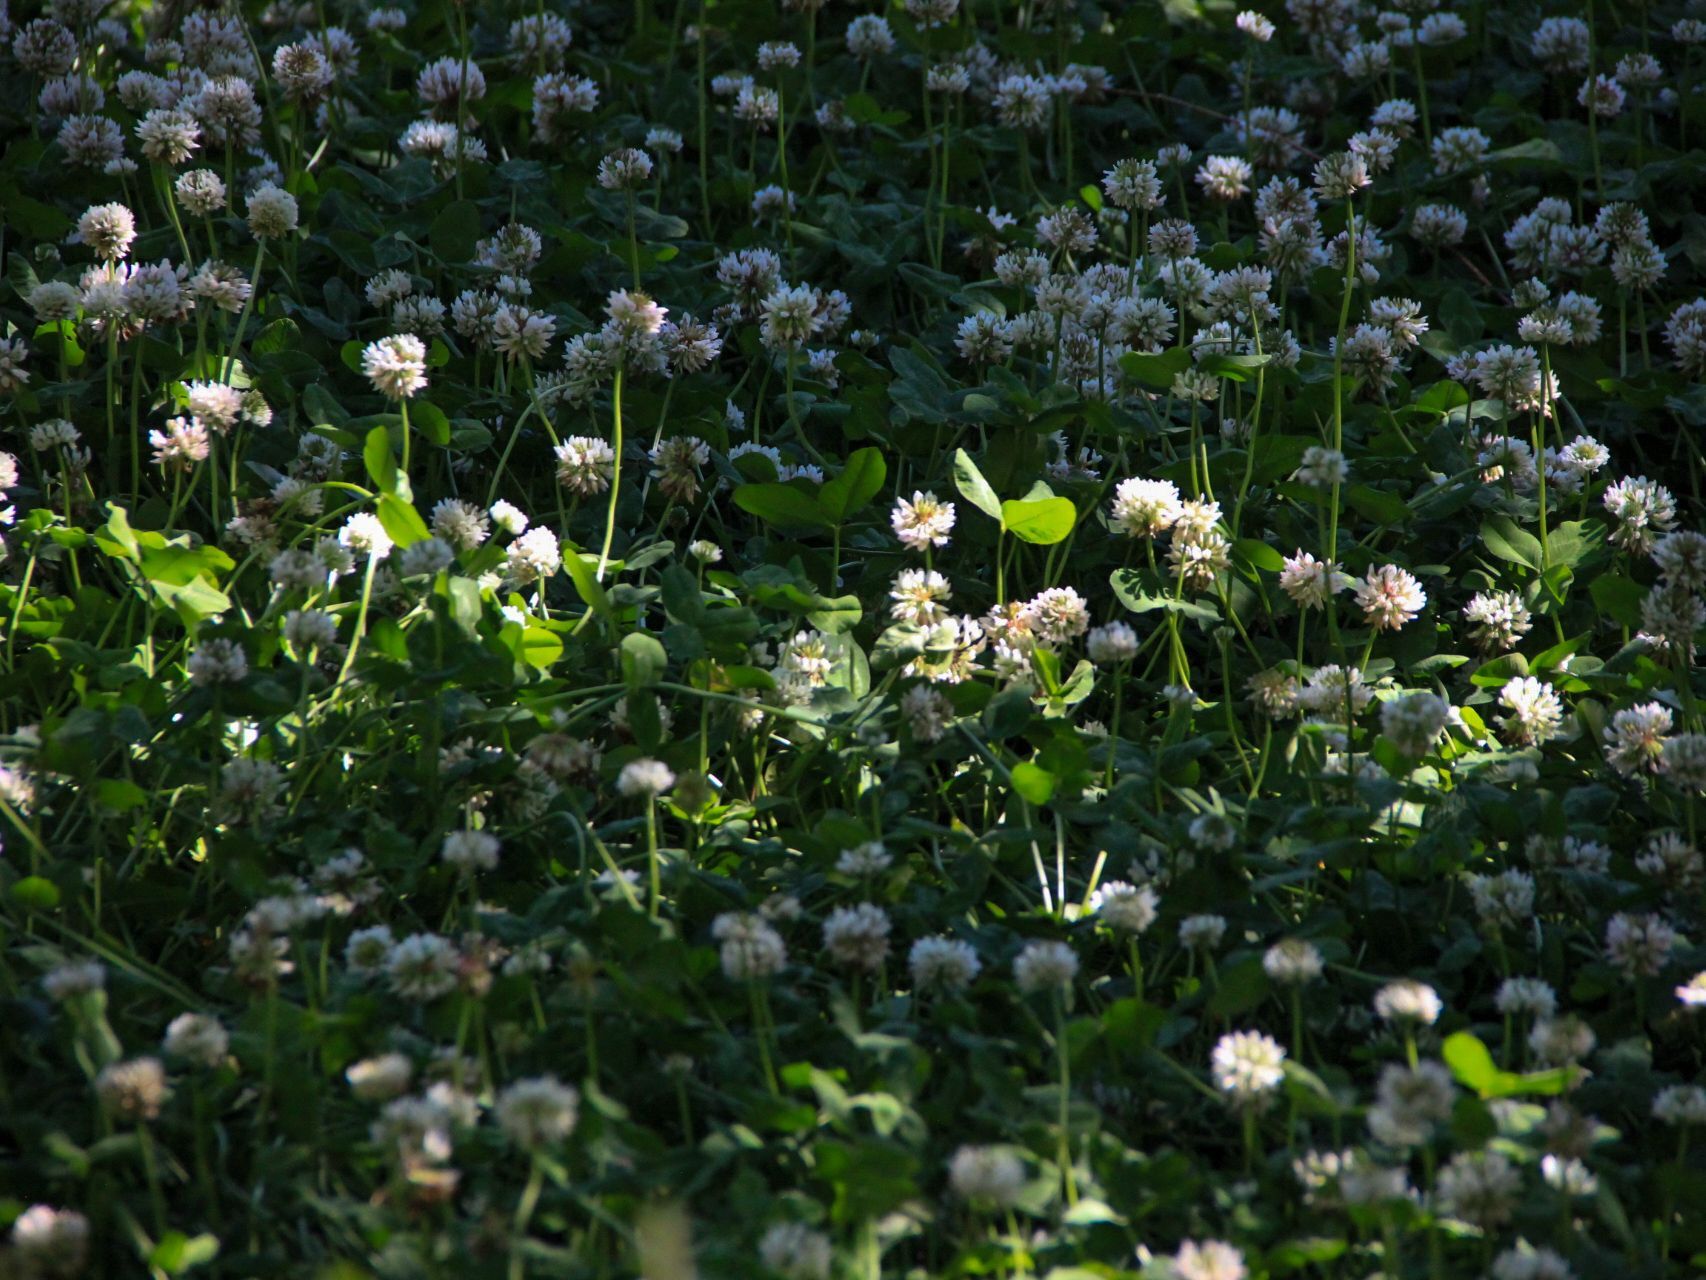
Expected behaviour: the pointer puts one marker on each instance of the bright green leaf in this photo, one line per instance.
(36, 892)
(402, 521)
(381, 466)
(973, 487)
(1033, 783)
(1470, 1061)
(540, 648)
(1043, 521)
(1258, 555)
(177, 1253)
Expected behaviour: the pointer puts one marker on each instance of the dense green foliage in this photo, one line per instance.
(949, 639)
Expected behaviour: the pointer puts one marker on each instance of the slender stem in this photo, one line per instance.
(652, 858)
(615, 476)
(1064, 1056)
(762, 1025)
(523, 1215)
(704, 127)
(633, 240)
(230, 363)
(360, 622)
(151, 1170)
(1338, 373)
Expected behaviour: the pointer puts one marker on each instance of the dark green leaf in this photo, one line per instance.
(782, 504)
(1508, 541)
(860, 481)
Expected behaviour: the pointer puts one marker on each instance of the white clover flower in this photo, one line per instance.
(943, 964)
(1045, 966)
(364, 535)
(1125, 907)
(423, 967)
(1254, 25)
(644, 779)
(1389, 597)
(1636, 737)
(425, 558)
(1499, 619)
(196, 1038)
(750, 946)
(1534, 713)
(54, 300)
(272, 212)
(1481, 1188)
(50, 1242)
(1506, 899)
(76, 978)
(1247, 1066)
(396, 366)
(1322, 468)
(635, 313)
(1133, 184)
(867, 859)
(796, 1252)
(1414, 721)
(1310, 582)
(534, 555)
(537, 1113)
(1692, 993)
(133, 1090)
(1408, 1001)
(986, 1177)
(857, 936)
(1640, 944)
(1410, 1102)
(1224, 178)
(869, 36)
(108, 229)
(1293, 962)
(509, 517)
(1207, 1260)
(1112, 644)
(380, 1079)
(1533, 996)
(461, 524)
(470, 850)
(927, 713)
(923, 521)
(368, 949)
(1561, 1041)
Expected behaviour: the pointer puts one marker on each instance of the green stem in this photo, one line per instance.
(523, 1215)
(762, 1025)
(403, 408)
(633, 240)
(230, 363)
(615, 477)
(652, 858)
(704, 128)
(1338, 371)
(1064, 1057)
(360, 623)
